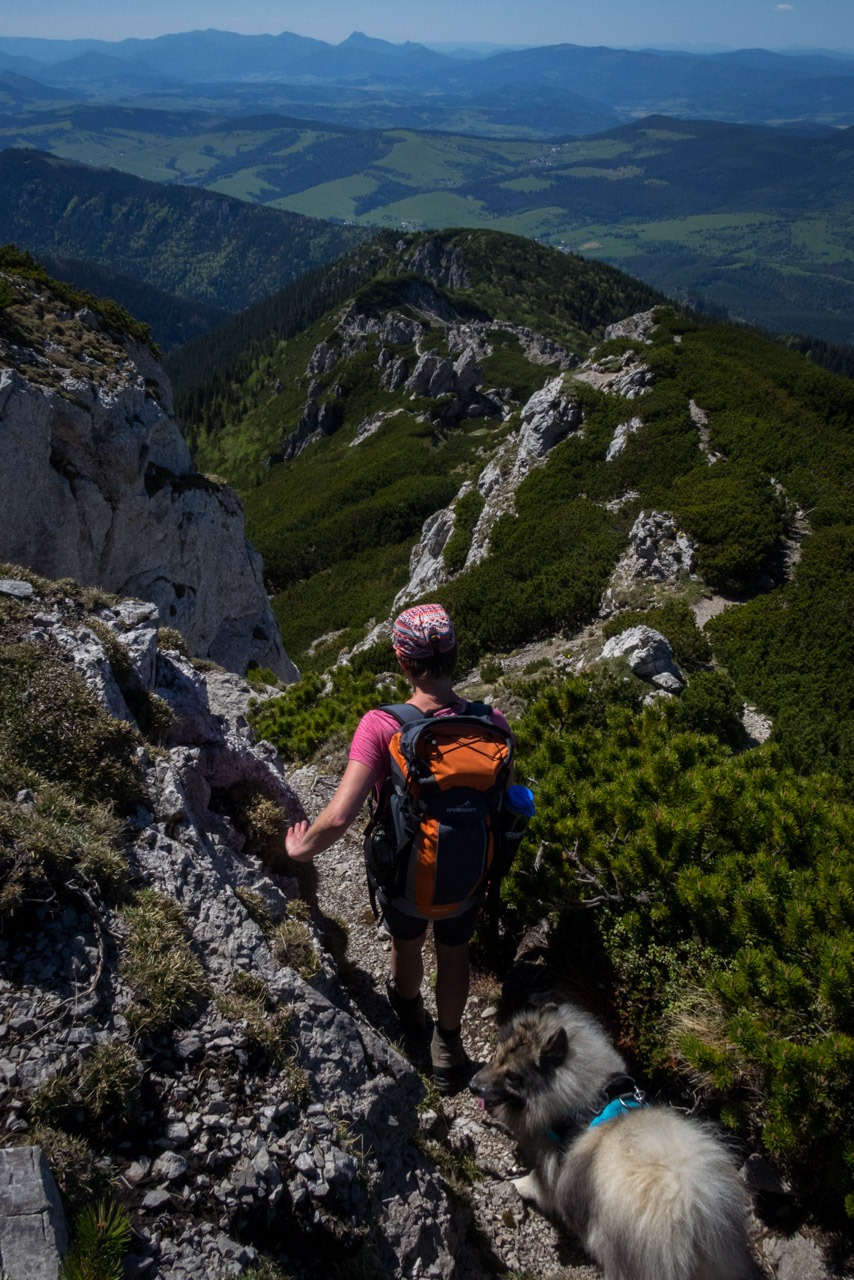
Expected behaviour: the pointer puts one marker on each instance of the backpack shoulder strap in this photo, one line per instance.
(403, 712)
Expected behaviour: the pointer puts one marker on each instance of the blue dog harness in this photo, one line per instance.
(616, 1105)
(618, 1108)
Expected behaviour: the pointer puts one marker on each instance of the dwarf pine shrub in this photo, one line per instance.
(102, 1236)
(725, 874)
(310, 712)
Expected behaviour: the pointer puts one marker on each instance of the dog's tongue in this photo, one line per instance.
(481, 1104)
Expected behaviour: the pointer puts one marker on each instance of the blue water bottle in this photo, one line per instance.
(517, 812)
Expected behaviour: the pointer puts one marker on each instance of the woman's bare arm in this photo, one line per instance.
(304, 842)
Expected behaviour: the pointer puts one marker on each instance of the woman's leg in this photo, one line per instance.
(407, 965)
(452, 984)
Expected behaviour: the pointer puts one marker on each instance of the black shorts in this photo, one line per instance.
(453, 931)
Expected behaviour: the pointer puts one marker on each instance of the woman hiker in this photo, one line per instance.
(426, 647)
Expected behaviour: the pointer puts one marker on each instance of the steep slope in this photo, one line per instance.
(173, 321)
(248, 1113)
(97, 484)
(196, 244)
(422, 437)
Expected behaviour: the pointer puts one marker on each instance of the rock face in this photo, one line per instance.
(316, 1153)
(444, 264)
(33, 1234)
(657, 552)
(426, 563)
(621, 435)
(547, 418)
(97, 484)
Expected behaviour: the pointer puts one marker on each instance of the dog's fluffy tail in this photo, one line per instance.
(656, 1197)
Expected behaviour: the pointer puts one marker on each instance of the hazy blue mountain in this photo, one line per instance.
(20, 92)
(104, 71)
(746, 85)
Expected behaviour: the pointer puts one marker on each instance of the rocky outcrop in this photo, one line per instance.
(33, 1234)
(547, 418)
(426, 562)
(97, 484)
(637, 327)
(228, 1152)
(317, 420)
(443, 264)
(621, 435)
(658, 552)
(649, 656)
(436, 375)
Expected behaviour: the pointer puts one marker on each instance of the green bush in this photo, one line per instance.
(792, 652)
(308, 714)
(466, 515)
(734, 514)
(730, 873)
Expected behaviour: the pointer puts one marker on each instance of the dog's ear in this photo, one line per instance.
(555, 1049)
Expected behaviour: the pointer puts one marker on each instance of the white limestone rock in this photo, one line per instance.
(658, 552)
(33, 1233)
(621, 435)
(426, 562)
(90, 658)
(637, 326)
(548, 417)
(97, 484)
(649, 656)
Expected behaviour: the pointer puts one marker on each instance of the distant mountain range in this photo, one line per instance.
(608, 85)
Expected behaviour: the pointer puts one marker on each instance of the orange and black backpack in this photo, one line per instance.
(434, 834)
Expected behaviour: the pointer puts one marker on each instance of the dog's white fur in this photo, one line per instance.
(653, 1195)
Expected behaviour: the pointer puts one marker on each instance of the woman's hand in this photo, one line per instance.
(293, 839)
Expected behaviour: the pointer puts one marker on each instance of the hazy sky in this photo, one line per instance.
(733, 23)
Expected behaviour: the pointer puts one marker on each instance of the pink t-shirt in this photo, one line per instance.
(377, 728)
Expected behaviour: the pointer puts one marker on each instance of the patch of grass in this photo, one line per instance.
(256, 907)
(104, 1091)
(267, 1026)
(159, 964)
(52, 724)
(292, 946)
(169, 638)
(79, 1174)
(44, 846)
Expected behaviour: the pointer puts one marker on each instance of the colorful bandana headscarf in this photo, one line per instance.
(423, 632)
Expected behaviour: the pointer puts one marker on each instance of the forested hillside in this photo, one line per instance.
(201, 246)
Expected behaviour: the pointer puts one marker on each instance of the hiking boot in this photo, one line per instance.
(411, 1013)
(452, 1067)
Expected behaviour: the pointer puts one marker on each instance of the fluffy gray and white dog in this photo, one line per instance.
(652, 1194)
